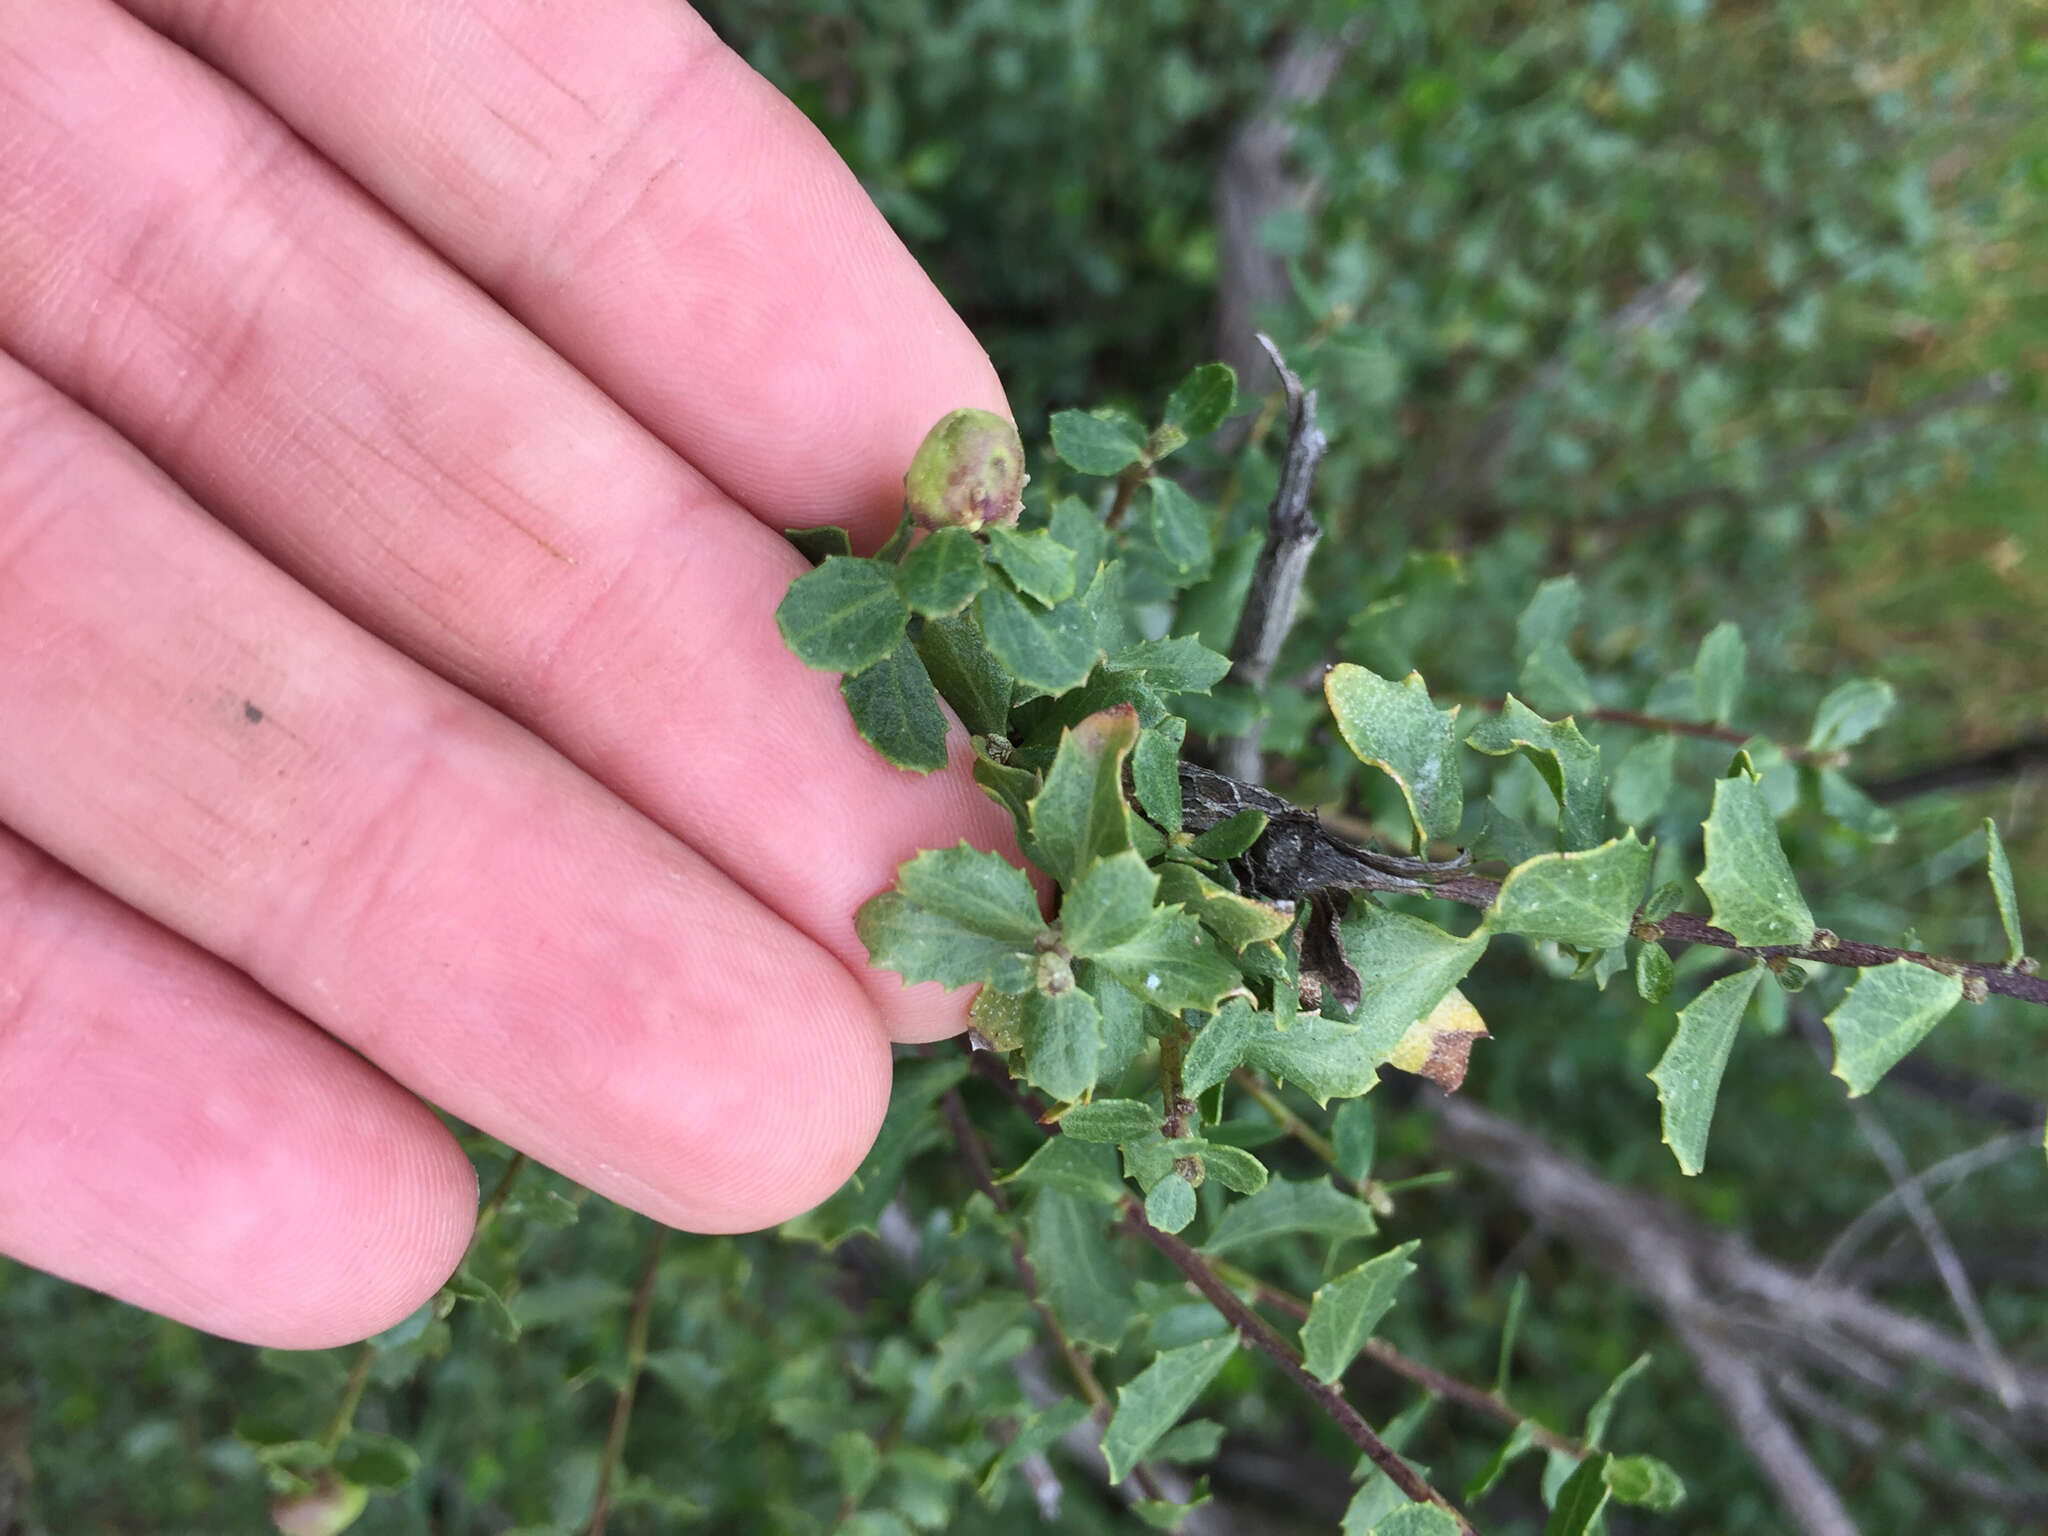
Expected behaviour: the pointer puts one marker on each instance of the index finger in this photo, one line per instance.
(643, 200)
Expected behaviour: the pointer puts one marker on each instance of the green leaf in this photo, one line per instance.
(1107, 1120)
(1344, 1312)
(1155, 771)
(896, 710)
(983, 1335)
(1849, 713)
(1230, 836)
(1418, 1520)
(1888, 1010)
(1408, 966)
(1062, 1043)
(1688, 1076)
(1569, 763)
(1173, 964)
(1747, 878)
(1180, 528)
(843, 617)
(1521, 1439)
(1108, 906)
(1663, 901)
(1395, 728)
(1587, 900)
(1201, 401)
(1170, 1204)
(1177, 664)
(1324, 1058)
(819, 544)
(2002, 893)
(1219, 1046)
(1717, 672)
(920, 946)
(1355, 1131)
(1842, 798)
(1051, 649)
(472, 1288)
(1035, 1436)
(1078, 526)
(942, 575)
(1193, 1441)
(1080, 1274)
(1072, 1166)
(1036, 563)
(1234, 1169)
(1550, 675)
(1287, 1207)
(1654, 973)
(1079, 815)
(1601, 1413)
(1236, 920)
(911, 1126)
(1097, 442)
(982, 892)
(1583, 1496)
(1153, 1401)
(1642, 780)
(1645, 1481)
(967, 676)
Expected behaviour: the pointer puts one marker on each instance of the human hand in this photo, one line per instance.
(460, 734)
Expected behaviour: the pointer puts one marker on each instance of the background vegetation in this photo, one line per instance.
(1732, 310)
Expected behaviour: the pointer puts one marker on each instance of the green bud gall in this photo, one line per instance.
(969, 471)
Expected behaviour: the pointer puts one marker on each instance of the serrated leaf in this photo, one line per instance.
(1569, 763)
(1439, 1046)
(1180, 528)
(1108, 906)
(1688, 1076)
(1036, 563)
(1155, 771)
(919, 945)
(1230, 836)
(1344, 1312)
(1888, 1010)
(1219, 1046)
(1034, 1437)
(1655, 973)
(1642, 780)
(1123, 1020)
(1747, 879)
(1395, 728)
(982, 892)
(967, 676)
(1097, 442)
(1079, 815)
(1080, 1274)
(1549, 673)
(1587, 900)
(910, 1126)
(1062, 1043)
(1850, 712)
(1583, 1496)
(1718, 672)
(843, 617)
(1074, 1167)
(1236, 920)
(1176, 664)
(1153, 1401)
(1324, 1058)
(2002, 893)
(1201, 401)
(1050, 649)
(942, 575)
(896, 710)
(1418, 1520)
(1110, 1120)
(1234, 1169)
(1290, 1207)
(1173, 964)
(1170, 1204)
(1646, 1482)
(819, 544)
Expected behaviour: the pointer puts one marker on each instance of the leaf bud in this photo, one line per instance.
(969, 471)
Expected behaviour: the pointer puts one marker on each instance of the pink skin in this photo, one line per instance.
(460, 730)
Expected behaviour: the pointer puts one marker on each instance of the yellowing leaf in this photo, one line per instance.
(1439, 1047)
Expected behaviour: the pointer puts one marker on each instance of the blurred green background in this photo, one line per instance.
(1735, 311)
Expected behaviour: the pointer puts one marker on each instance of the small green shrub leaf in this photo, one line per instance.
(1587, 900)
(1155, 771)
(845, 616)
(1230, 836)
(1642, 780)
(1645, 1481)
(896, 710)
(942, 575)
(1037, 564)
(1180, 528)
(1080, 1274)
(1108, 906)
(982, 892)
(967, 676)
(1582, 1497)
(1850, 712)
(1110, 1120)
(1688, 1076)
(1655, 973)
(1747, 878)
(1219, 1046)
(1888, 1010)
(1079, 815)
(1394, 727)
(1201, 401)
(1234, 1169)
(1718, 671)
(1170, 1204)
(921, 945)
(1097, 442)
(2002, 893)
(1154, 1400)
(1062, 1043)
(1177, 664)
(1051, 649)
(1173, 964)
(1291, 1207)
(1569, 763)
(1345, 1311)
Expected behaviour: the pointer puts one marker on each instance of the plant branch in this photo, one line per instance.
(1261, 1335)
(1297, 857)
(2016, 760)
(1700, 728)
(636, 1359)
(1291, 537)
(351, 1396)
